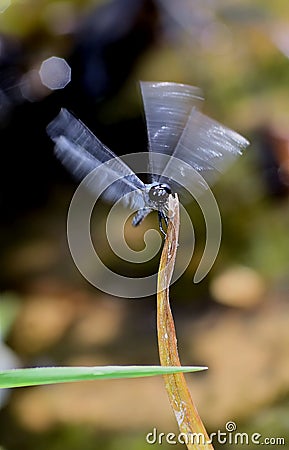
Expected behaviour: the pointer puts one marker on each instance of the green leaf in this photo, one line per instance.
(51, 375)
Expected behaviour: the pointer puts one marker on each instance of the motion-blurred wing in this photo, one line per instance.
(81, 152)
(167, 108)
(208, 147)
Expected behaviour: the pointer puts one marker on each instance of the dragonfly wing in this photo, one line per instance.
(167, 108)
(207, 146)
(81, 152)
(67, 125)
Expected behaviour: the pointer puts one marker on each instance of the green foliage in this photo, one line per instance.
(51, 375)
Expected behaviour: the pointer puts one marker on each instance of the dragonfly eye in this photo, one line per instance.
(159, 193)
(166, 187)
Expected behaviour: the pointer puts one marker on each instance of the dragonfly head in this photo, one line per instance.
(159, 194)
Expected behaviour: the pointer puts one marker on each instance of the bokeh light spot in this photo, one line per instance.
(4, 4)
(55, 73)
(238, 286)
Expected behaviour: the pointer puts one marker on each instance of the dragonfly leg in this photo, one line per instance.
(165, 219)
(162, 217)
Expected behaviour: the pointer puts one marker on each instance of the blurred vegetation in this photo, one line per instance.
(236, 320)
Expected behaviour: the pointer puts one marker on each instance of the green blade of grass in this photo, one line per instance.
(51, 375)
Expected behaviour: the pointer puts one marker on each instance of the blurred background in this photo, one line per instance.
(88, 56)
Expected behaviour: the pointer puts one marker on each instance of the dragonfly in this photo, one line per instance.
(176, 128)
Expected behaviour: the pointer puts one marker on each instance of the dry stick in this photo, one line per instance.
(189, 421)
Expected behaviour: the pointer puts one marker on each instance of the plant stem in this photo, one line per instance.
(187, 416)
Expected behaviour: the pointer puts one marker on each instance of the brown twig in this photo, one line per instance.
(190, 425)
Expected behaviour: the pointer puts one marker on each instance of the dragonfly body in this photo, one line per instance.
(176, 129)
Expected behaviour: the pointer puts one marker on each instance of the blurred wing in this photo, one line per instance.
(167, 108)
(208, 147)
(81, 152)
